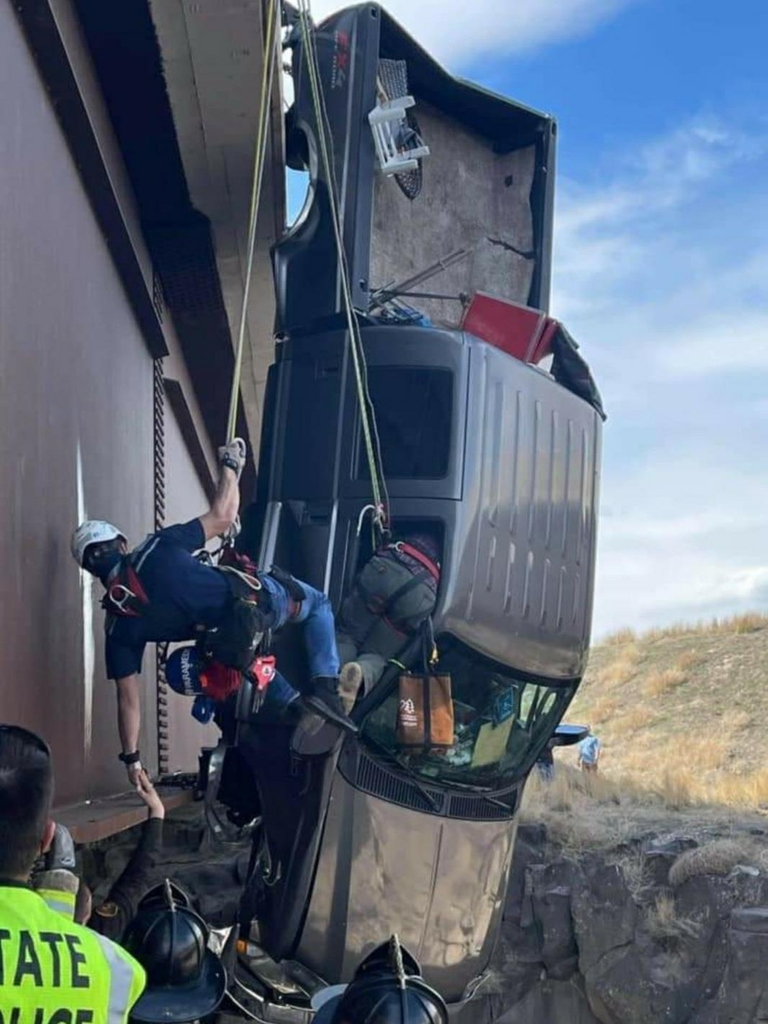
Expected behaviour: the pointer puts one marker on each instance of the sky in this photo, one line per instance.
(661, 269)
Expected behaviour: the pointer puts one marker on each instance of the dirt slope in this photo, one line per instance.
(683, 709)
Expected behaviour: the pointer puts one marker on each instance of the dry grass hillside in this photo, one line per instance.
(682, 711)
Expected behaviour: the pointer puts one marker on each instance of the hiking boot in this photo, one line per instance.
(326, 702)
(350, 681)
(315, 736)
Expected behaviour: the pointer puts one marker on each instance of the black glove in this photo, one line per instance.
(61, 855)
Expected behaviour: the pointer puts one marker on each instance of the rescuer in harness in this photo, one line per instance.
(161, 592)
(392, 595)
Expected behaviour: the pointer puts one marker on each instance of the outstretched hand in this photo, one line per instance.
(149, 795)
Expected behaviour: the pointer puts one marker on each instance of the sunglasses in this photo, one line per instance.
(29, 737)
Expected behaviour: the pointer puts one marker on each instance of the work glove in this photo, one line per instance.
(233, 456)
(61, 856)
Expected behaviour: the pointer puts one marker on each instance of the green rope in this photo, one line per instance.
(356, 345)
(267, 78)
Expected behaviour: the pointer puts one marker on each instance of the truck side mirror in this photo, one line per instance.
(568, 735)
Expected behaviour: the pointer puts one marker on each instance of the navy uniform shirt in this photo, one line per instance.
(113, 916)
(183, 593)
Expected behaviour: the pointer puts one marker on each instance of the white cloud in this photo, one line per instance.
(661, 272)
(456, 32)
(684, 539)
(717, 343)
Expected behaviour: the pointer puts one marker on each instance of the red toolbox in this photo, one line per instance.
(523, 332)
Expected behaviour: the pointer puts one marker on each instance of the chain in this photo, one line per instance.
(158, 417)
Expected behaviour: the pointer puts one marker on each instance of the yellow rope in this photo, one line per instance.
(356, 346)
(267, 78)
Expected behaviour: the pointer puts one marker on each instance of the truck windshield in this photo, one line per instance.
(501, 721)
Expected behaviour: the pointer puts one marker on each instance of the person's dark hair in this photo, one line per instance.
(83, 904)
(26, 792)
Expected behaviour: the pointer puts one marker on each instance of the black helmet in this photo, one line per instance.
(185, 980)
(387, 989)
(166, 894)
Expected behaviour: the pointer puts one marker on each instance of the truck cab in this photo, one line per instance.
(493, 450)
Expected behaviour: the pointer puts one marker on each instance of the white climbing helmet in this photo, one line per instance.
(92, 531)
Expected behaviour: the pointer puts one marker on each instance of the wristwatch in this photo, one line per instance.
(230, 462)
(129, 759)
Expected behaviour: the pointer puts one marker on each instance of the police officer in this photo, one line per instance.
(52, 971)
(387, 989)
(161, 592)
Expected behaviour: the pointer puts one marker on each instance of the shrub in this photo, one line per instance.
(661, 681)
(621, 636)
(717, 858)
(665, 924)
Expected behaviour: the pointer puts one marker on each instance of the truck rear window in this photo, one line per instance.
(413, 407)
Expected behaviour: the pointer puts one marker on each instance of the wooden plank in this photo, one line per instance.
(178, 403)
(96, 819)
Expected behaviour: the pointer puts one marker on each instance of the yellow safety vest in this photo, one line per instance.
(53, 971)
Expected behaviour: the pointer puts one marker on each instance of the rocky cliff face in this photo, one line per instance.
(665, 928)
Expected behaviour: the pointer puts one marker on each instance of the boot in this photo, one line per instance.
(315, 736)
(326, 702)
(350, 681)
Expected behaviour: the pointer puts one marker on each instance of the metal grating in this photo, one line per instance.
(159, 489)
(393, 78)
(158, 300)
(377, 781)
(373, 778)
(476, 807)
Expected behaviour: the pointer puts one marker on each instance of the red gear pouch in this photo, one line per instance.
(219, 681)
(263, 670)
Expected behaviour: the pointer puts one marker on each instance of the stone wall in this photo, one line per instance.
(584, 942)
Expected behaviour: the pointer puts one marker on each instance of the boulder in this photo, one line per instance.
(628, 987)
(550, 1003)
(604, 913)
(708, 902)
(743, 995)
(551, 889)
(517, 962)
(577, 948)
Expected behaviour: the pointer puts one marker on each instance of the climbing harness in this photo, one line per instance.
(125, 596)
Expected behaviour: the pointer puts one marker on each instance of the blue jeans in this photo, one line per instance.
(279, 695)
(319, 626)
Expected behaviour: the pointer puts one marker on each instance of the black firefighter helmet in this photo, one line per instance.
(387, 989)
(166, 894)
(185, 980)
